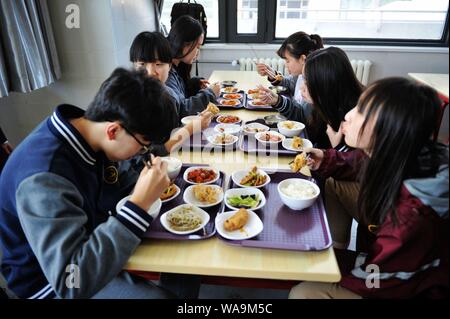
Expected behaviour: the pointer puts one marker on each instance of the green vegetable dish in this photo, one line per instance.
(244, 201)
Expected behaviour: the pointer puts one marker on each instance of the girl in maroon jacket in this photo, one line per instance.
(402, 206)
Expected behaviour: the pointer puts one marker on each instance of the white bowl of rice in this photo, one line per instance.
(298, 193)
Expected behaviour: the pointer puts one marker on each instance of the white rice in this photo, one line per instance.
(299, 190)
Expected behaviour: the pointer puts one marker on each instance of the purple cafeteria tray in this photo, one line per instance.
(285, 228)
(199, 141)
(156, 230)
(266, 108)
(249, 144)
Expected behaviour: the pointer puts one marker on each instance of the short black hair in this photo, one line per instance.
(138, 102)
(150, 47)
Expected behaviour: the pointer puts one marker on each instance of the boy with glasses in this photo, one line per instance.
(59, 230)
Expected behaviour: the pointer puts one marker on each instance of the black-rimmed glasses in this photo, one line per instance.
(145, 150)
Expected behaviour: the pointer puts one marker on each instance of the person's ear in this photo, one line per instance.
(112, 129)
(303, 58)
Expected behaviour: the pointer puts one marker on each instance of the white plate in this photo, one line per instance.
(212, 138)
(251, 103)
(222, 102)
(227, 128)
(239, 175)
(258, 137)
(152, 211)
(253, 227)
(224, 91)
(174, 196)
(226, 97)
(189, 197)
(245, 191)
(222, 116)
(186, 172)
(287, 144)
(203, 215)
(255, 125)
(186, 120)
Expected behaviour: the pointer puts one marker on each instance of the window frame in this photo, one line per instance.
(267, 17)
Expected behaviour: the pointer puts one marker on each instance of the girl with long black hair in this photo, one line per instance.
(185, 38)
(331, 86)
(402, 207)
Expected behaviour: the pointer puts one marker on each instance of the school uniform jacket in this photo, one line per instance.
(410, 257)
(188, 105)
(59, 231)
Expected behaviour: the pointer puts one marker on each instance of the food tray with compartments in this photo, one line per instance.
(156, 230)
(285, 228)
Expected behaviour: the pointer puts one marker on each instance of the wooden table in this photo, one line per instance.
(440, 83)
(212, 257)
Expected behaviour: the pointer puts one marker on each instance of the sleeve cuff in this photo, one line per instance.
(134, 218)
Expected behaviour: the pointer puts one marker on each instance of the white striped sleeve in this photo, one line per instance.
(134, 218)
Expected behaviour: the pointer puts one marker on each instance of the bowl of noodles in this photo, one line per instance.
(184, 219)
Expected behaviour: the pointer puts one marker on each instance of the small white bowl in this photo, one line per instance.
(190, 169)
(227, 128)
(173, 197)
(152, 211)
(173, 166)
(297, 203)
(203, 215)
(190, 198)
(212, 139)
(245, 191)
(298, 128)
(259, 136)
(239, 175)
(287, 144)
(258, 126)
(188, 119)
(253, 227)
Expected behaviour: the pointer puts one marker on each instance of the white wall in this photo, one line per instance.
(87, 55)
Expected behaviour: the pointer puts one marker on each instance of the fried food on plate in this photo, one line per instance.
(169, 192)
(213, 108)
(237, 221)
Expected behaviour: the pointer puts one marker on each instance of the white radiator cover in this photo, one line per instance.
(360, 67)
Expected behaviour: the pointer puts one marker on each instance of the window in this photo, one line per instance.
(385, 22)
(366, 19)
(211, 11)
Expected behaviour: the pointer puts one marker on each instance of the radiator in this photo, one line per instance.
(360, 67)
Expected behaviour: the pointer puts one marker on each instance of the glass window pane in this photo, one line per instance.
(376, 19)
(247, 16)
(211, 10)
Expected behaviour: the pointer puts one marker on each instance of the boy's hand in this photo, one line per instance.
(150, 184)
(215, 87)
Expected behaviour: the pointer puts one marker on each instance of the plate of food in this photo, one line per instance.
(239, 225)
(229, 103)
(170, 193)
(184, 219)
(253, 128)
(200, 175)
(228, 119)
(296, 144)
(255, 96)
(230, 89)
(258, 103)
(253, 91)
(270, 137)
(248, 198)
(203, 195)
(251, 178)
(222, 139)
(227, 128)
(232, 96)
